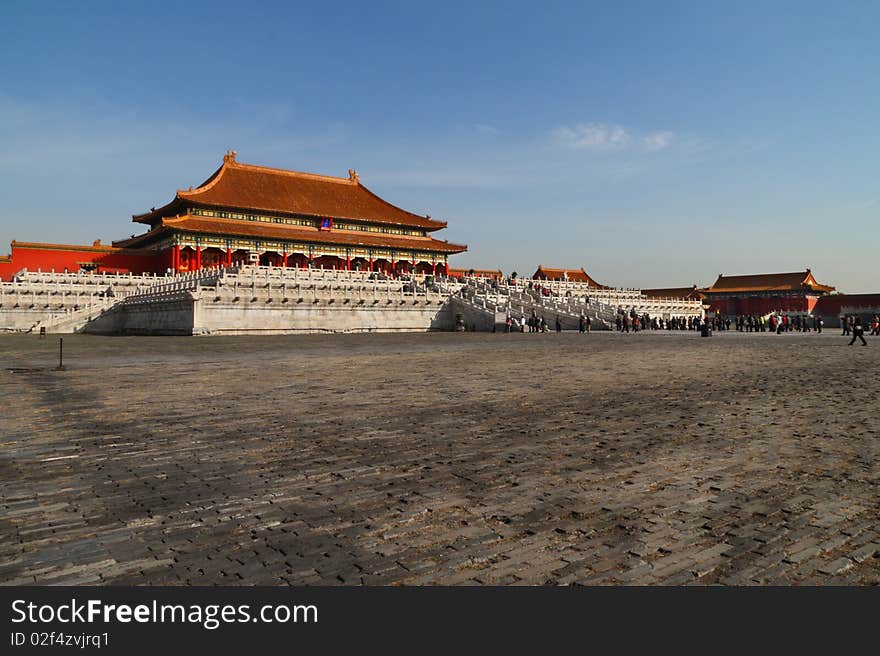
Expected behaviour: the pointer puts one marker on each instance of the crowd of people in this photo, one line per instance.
(538, 324)
(631, 321)
(773, 323)
(852, 325)
(625, 322)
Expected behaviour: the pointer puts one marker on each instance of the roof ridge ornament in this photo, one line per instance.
(229, 157)
(353, 176)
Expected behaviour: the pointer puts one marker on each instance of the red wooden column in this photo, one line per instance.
(228, 257)
(348, 264)
(371, 263)
(284, 258)
(434, 269)
(198, 258)
(175, 258)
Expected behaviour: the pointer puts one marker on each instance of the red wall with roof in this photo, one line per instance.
(833, 305)
(58, 257)
(758, 305)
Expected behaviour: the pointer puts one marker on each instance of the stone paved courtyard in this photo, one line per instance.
(440, 459)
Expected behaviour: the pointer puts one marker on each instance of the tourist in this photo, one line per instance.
(582, 324)
(819, 323)
(875, 325)
(844, 323)
(858, 331)
(558, 324)
(588, 323)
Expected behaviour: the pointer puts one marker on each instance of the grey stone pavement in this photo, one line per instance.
(440, 459)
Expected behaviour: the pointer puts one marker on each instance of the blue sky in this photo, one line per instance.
(654, 144)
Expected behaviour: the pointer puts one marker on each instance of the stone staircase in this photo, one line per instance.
(499, 301)
(74, 320)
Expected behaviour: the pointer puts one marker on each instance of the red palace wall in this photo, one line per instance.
(479, 273)
(758, 305)
(58, 257)
(832, 306)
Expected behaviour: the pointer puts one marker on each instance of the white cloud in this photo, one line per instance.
(657, 141)
(594, 136)
(605, 137)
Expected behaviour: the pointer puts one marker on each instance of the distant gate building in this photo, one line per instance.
(569, 275)
(765, 293)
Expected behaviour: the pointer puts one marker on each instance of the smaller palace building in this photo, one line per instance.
(688, 293)
(568, 275)
(254, 214)
(765, 293)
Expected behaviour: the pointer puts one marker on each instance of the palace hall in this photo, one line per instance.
(254, 214)
(761, 294)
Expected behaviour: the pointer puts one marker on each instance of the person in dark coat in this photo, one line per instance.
(858, 332)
